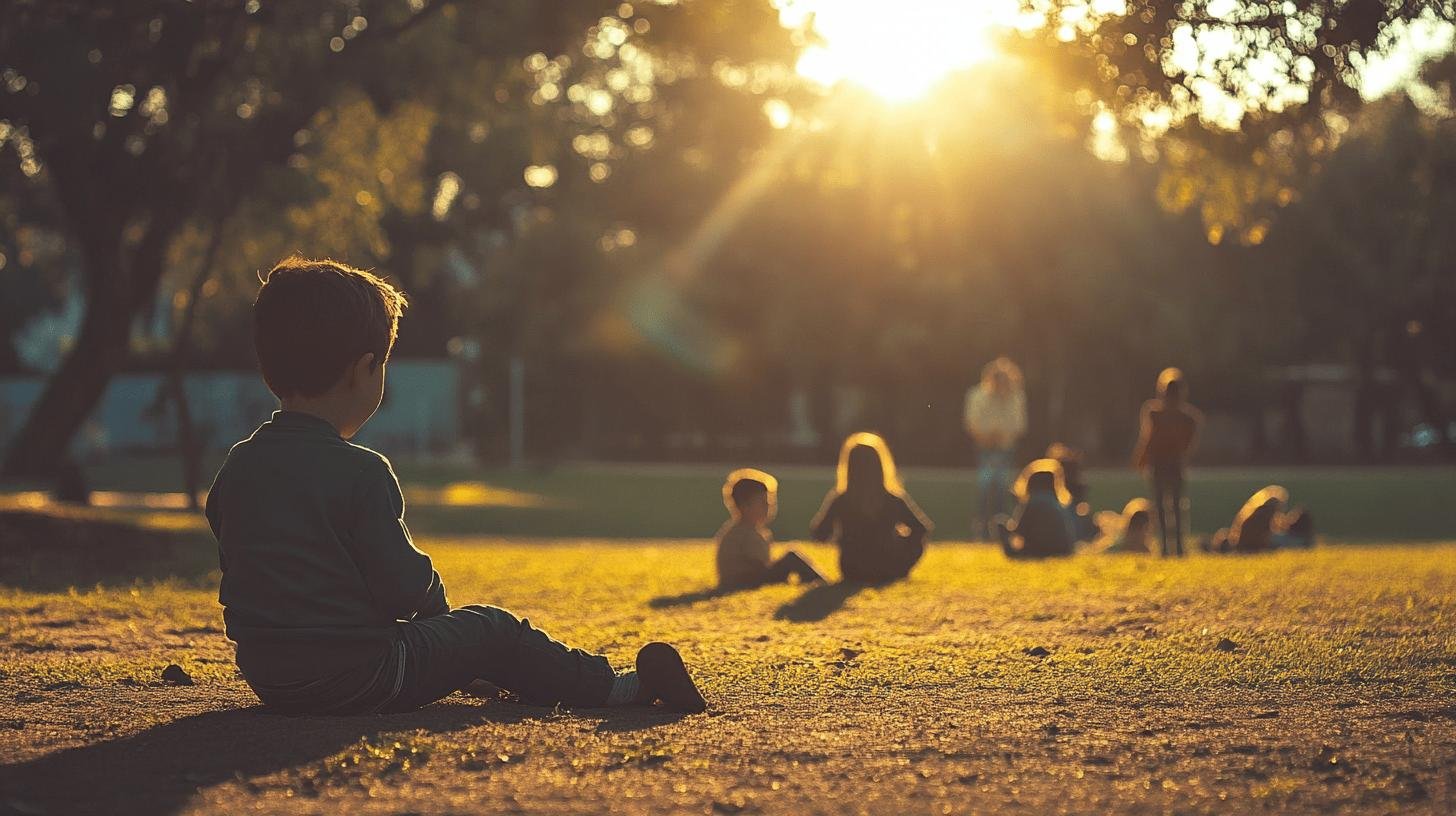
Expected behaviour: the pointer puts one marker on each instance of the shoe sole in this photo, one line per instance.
(661, 671)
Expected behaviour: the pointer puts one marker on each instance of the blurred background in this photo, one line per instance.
(726, 232)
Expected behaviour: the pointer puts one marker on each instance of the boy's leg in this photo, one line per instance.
(792, 563)
(447, 652)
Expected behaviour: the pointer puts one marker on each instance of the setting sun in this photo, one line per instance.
(897, 51)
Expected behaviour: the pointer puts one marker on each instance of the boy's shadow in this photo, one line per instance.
(819, 602)
(696, 596)
(161, 769)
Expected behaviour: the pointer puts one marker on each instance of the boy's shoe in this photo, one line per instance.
(664, 677)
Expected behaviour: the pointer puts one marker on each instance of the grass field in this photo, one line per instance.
(1333, 693)
(1309, 682)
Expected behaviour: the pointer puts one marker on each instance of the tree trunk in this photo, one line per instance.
(114, 293)
(189, 447)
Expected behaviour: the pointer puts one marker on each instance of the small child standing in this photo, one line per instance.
(331, 606)
(745, 544)
(1166, 440)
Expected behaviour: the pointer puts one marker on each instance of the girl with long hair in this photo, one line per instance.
(879, 529)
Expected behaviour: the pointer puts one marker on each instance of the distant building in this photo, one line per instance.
(420, 414)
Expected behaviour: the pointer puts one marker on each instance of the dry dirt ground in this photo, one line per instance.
(1303, 682)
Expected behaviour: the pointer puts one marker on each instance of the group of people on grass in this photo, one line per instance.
(333, 610)
(881, 532)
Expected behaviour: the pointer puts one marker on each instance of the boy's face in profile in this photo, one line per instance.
(360, 391)
(759, 510)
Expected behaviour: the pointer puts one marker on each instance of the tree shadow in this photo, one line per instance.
(48, 552)
(696, 596)
(159, 770)
(819, 602)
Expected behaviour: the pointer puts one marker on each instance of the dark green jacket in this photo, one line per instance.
(317, 564)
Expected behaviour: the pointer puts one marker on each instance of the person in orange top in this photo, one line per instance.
(1169, 434)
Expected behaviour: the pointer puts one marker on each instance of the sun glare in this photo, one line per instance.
(896, 49)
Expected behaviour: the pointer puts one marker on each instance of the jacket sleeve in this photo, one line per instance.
(401, 579)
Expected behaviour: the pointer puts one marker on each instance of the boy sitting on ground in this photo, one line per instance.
(745, 544)
(331, 606)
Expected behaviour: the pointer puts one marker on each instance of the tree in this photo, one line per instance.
(134, 117)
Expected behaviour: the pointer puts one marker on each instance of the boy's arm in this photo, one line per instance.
(401, 579)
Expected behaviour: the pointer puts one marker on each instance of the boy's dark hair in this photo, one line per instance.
(744, 484)
(312, 319)
(745, 490)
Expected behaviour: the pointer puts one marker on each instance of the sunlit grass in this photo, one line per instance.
(1377, 617)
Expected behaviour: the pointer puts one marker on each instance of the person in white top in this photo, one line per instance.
(995, 417)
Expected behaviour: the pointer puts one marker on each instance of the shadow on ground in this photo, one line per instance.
(46, 552)
(159, 770)
(819, 602)
(696, 596)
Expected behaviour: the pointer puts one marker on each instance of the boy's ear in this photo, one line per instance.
(362, 367)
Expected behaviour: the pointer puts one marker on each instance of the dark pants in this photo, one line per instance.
(448, 652)
(1168, 505)
(882, 565)
(1030, 551)
(790, 563)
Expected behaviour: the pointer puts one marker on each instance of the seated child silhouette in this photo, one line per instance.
(745, 544)
(1262, 524)
(1128, 532)
(1078, 508)
(878, 527)
(1040, 527)
(332, 607)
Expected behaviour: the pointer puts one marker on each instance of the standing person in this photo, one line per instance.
(1167, 438)
(880, 531)
(995, 417)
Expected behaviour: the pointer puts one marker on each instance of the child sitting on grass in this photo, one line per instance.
(331, 606)
(745, 544)
(1078, 508)
(1262, 524)
(1040, 528)
(880, 530)
(1128, 532)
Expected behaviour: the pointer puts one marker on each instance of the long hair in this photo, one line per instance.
(866, 466)
(1272, 494)
(1053, 470)
(1171, 385)
(1135, 506)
